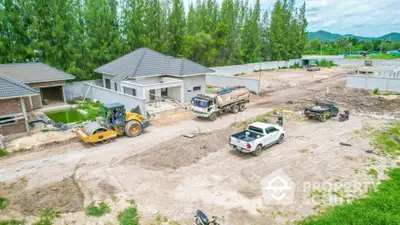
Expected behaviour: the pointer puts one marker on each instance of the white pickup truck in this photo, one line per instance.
(257, 136)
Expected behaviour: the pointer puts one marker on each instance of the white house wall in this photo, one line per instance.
(146, 80)
(193, 81)
(119, 88)
(174, 93)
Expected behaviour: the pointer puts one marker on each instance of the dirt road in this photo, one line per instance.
(220, 181)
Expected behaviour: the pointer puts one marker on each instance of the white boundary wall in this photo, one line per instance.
(251, 67)
(229, 81)
(91, 90)
(381, 83)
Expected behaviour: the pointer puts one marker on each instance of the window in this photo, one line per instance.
(270, 130)
(8, 120)
(116, 86)
(197, 88)
(255, 129)
(130, 91)
(108, 83)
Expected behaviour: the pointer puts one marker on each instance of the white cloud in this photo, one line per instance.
(364, 18)
(358, 17)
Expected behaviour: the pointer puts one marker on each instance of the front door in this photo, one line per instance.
(164, 92)
(152, 94)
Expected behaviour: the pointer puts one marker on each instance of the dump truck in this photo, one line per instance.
(115, 121)
(209, 106)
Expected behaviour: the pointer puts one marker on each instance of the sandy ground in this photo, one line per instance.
(162, 172)
(284, 78)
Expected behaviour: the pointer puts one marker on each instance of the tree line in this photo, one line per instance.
(347, 45)
(78, 36)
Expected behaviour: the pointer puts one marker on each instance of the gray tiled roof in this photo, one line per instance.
(146, 62)
(11, 88)
(33, 72)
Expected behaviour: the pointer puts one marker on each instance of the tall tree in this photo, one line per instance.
(176, 28)
(102, 32)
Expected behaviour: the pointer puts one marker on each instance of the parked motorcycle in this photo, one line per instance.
(344, 116)
(280, 121)
(202, 219)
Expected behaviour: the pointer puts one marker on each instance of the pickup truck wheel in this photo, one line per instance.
(213, 116)
(241, 107)
(235, 109)
(258, 151)
(280, 140)
(324, 117)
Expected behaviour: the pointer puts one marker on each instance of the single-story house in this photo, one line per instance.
(13, 112)
(151, 75)
(47, 80)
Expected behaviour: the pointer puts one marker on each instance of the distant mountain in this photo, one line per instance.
(329, 37)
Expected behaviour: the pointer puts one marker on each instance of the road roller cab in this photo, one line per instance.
(114, 121)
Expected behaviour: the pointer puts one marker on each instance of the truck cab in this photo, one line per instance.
(205, 106)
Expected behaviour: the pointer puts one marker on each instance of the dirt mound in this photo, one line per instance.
(181, 151)
(64, 196)
(107, 188)
(361, 100)
(174, 116)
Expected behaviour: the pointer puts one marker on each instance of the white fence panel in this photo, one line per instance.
(381, 83)
(91, 90)
(227, 81)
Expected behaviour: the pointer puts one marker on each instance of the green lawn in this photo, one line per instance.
(382, 206)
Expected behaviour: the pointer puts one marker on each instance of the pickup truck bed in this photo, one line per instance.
(247, 136)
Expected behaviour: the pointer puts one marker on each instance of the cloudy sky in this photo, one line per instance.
(359, 17)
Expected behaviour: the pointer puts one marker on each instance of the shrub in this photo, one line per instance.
(375, 91)
(3, 202)
(98, 211)
(325, 63)
(47, 217)
(129, 216)
(3, 152)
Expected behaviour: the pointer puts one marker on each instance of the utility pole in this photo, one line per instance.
(351, 44)
(259, 78)
(321, 48)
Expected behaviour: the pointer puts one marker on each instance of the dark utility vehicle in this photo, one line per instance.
(321, 111)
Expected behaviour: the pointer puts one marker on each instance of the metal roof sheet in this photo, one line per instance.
(146, 62)
(33, 72)
(11, 88)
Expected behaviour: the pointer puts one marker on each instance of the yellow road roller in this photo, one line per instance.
(115, 121)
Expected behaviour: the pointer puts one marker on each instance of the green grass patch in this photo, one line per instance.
(375, 91)
(3, 202)
(93, 109)
(129, 216)
(325, 63)
(12, 222)
(381, 207)
(99, 210)
(373, 172)
(388, 141)
(3, 152)
(47, 217)
(382, 56)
